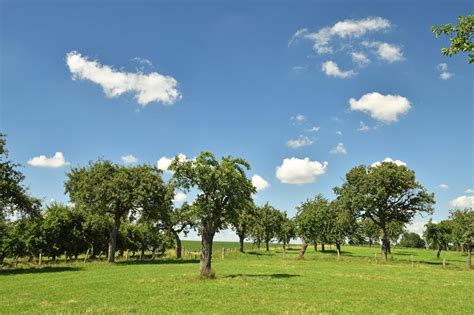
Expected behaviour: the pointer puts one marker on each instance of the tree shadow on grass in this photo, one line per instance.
(259, 253)
(159, 262)
(272, 276)
(37, 270)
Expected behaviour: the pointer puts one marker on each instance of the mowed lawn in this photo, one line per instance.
(255, 282)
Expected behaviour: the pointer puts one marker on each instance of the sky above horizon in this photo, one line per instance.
(304, 92)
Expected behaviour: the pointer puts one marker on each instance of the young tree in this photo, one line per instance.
(438, 235)
(267, 223)
(410, 239)
(463, 229)
(115, 191)
(242, 223)
(462, 39)
(13, 196)
(341, 223)
(287, 231)
(385, 193)
(224, 188)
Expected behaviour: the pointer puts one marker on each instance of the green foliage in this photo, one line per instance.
(460, 36)
(312, 220)
(410, 239)
(267, 224)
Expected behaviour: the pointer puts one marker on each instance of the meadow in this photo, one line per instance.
(256, 282)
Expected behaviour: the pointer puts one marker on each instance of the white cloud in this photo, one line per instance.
(302, 141)
(463, 202)
(339, 133)
(342, 29)
(298, 118)
(313, 129)
(417, 227)
(385, 51)
(164, 162)
(443, 186)
(332, 69)
(55, 161)
(363, 127)
(179, 197)
(442, 66)
(300, 171)
(339, 149)
(259, 183)
(129, 159)
(152, 87)
(445, 75)
(389, 160)
(142, 61)
(360, 58)
(384, 108)
(469, 191)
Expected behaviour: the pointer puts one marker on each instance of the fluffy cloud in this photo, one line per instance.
(469, 191)
(332, 69)
(360, 58)
(389, 160)
(152, 87)
(445, 75)
(300, 171)
(164, 162)
(339, 149)
(55, 161)
(179, 197)
(463, 202)
(259, 183)
(363, 127)
(385, 51)
(129, 159)
(384, 108)
(417, 227)
(443, 186)
(342, 29)
(302, 141)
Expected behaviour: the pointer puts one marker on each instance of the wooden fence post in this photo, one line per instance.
(65, 257)
(40, 260)
(87, 255)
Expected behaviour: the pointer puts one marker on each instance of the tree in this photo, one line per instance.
(463, 229)
(370, 231)
(115, 191)
(223, 189)
(287, 231)
(242, 223)
(384, 194)
(342, 224)
(460, 35)
(267, 223)
(410, 239)
(13, 196)
(438, 235)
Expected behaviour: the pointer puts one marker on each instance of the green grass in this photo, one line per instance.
(255, 282)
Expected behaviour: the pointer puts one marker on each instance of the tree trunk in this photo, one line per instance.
(439, 251)
(322, 247)
(315, 246)
(385, 244)
(267, 246)
(241, 243)
(338, 249)
(304, 246)
(142, 254)
(113, 239)
(370, 243)
(206, 253)
(258, 245)
(179, 248)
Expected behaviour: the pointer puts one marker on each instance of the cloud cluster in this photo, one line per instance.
(444, 73)
(332, 69)
(55, 161)
(360, 58)
(384, 108)
(300, 171)
(164, 162)
(463, 202)
(129, 159)
(301, 141)
(339, 149)
(151, 87)
(259, 183)
(385, 51)
(389, 160)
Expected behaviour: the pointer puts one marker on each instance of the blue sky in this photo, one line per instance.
(239, 84)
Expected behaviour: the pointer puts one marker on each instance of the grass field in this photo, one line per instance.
(255, 282)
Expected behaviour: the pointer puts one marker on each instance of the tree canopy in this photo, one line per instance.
(460, 36)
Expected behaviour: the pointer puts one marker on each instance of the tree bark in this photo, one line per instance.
(206, 253)
(315, 246)
(385, 244)
(322, 247)
(179, 248)
(439, 251)
(267, 246)
(304, 246)
(338, 249)
(113, 239)
(241, 243)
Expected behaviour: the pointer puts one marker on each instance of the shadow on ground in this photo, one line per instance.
(37, 270)
(273, 275)
(159, 262)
